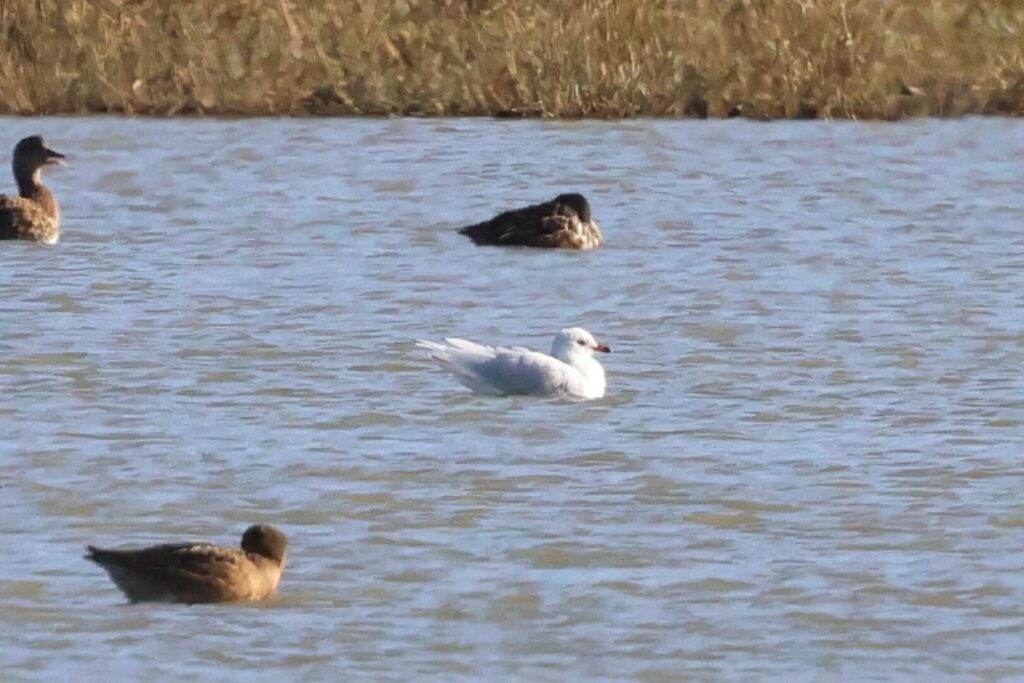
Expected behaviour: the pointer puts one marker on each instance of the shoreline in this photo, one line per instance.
(559, 59)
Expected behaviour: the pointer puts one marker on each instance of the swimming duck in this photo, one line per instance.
(198, 572)
(563, 222)
(34, 215)
(570, 370)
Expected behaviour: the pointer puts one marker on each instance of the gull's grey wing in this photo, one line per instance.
(517, 372)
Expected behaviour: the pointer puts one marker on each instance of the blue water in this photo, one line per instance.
(806, 466)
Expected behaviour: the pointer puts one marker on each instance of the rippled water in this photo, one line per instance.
(807, 465)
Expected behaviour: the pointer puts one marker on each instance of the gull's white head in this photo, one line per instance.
(575, 342)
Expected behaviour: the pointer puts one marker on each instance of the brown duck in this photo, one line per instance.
(198, 572)
(34, 214)
(563, 222)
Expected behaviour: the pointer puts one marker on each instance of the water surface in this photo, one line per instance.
(806, 467)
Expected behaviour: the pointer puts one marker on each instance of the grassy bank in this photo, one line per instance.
(573, 58)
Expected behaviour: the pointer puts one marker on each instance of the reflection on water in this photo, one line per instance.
(807, 462)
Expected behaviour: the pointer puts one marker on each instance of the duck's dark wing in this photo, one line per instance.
(178, 572)
(22, 218)
(15, 216)
(532, 226)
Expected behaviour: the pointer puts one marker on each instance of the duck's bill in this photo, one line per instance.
(603, 348)
(55, 158)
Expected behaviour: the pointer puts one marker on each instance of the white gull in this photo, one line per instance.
(571, 369)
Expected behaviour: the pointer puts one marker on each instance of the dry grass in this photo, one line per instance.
(564, 58)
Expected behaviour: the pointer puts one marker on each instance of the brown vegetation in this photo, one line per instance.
(563, 58)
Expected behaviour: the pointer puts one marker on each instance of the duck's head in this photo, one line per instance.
(576, 342)
(266, 541)
(31, 154)
(577, 203)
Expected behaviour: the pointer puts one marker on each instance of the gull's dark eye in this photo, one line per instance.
(580, 342)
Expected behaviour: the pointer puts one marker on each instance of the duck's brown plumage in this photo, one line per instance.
(199, 572)
(563, 222)
(34, 214)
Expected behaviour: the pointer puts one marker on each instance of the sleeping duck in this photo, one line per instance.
(564, 222)
(34, 215)
(198, 572)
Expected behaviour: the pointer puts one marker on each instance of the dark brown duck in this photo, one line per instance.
(199, 572)
(34, 214)
(563, 222)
